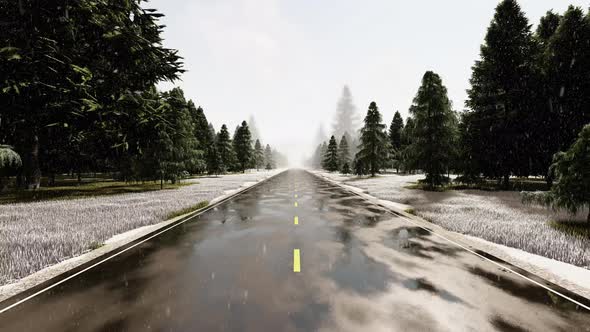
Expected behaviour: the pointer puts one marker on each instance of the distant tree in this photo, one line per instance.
(9, 160)
(331, 157)
(323, 151)
(345, 168)
(343, 152)
(268, 158)
(346, 119)
(258, 155)
(373, 148)
(572, 173)
(243, 146)
(547, 27)
(435, 129)
(358, 166)
(225, 149)
(202, 132)
(502, 94)
(321, 136)
(395, 138)
(253, 129)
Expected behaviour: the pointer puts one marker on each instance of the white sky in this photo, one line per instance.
(285, 62)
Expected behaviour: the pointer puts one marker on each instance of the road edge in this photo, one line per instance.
(28, 287)
(461, 240)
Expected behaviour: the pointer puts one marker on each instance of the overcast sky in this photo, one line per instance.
(285, 62)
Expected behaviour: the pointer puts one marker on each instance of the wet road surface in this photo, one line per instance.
(361, 269)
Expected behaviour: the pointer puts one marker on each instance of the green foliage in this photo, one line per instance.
(330, 162)
(373, 150)
(571, 191)
(434, 135)
(269, 158)
(9, 158)
(194, 208)
(503, 94)
(225, 149)
(243, 146)
(258, 155)
(345, 168)
(343, 152)
(395, 132)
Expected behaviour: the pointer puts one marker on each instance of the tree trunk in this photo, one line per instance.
(51, 179)
(79, 178)
(161, 182)
(33, 171)
(588, 217)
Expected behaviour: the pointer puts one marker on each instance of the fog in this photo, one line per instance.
(285, 63)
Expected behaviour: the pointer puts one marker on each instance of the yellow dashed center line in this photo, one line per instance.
(296, 261)
(295, 195)
(296, 204)
(296, 220)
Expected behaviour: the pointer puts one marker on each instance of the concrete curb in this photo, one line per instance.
(15, 292)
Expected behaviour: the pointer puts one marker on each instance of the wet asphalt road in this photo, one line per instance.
(362, 269)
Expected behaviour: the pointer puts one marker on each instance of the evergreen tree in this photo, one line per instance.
(435, 129)
(243, 146)
(572, 188)
(253, 129)
(395, 138)
(405, 153)
(331, 156)
(343, 152)
(395, 131)
(345, 168)
(568, 68)
(346, 119)
(502, 93)
(373, 148)
(268, 158)
(202, 132)
(258, 155)
(225, 149)
(214, 162)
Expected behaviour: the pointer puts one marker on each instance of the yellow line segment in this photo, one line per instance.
(296, 220)
(296, 261)
(295, 204)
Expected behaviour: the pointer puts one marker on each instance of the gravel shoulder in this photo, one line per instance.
(37, 236)
(496, 222)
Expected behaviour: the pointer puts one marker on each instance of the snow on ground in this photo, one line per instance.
(498, 217)
(40, 234)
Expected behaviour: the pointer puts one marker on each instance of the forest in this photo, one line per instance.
(527, 115)
(78, 94)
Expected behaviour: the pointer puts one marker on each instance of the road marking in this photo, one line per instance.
(295, 204)
(296, 261)
(296, 220)
(295, 195)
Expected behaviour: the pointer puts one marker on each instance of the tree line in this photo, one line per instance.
(529, 99)
(78, 94)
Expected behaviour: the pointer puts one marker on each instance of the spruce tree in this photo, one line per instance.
(373, 152)
(331, 156)
(395, 138)
(435, 129)
(346, 119)
(268, 158)
(258, 155)
(214, 162)
(225, 149)
(343, 152)
(405, 153)
(243, 146)
(502, 93)
(568, 67)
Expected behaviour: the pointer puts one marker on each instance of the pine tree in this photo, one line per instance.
(373, 148)
(268, 158)
(346, 120)
(568, 67)
(405, 153)
(502, 93)
(343, 152)
(435, 129)
(331, 156)
(225, 149)
(395, 138)
(258, 155)
(571, 191)
(243, 146)
(214, 162)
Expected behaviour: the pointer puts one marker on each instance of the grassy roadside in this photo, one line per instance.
(91, 189)
(580, 229)
(189, 209)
